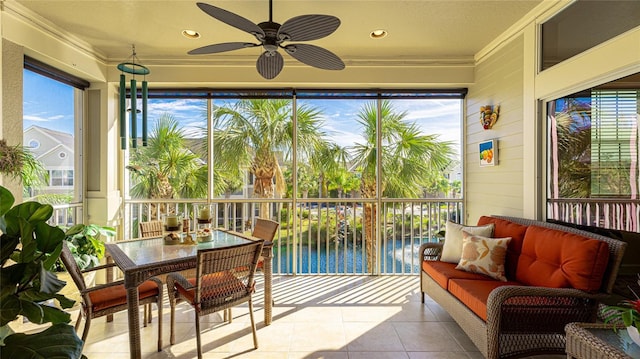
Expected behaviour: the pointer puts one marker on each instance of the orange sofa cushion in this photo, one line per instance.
(502, 229)
(557, 259)
(475, 293)
(117, 295)
(441, 272)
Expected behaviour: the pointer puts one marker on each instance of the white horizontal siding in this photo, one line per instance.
(496, 189)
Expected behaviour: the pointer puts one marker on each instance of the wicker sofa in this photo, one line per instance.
(523, 315)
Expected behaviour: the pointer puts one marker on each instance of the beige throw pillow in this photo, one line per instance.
(452, 248)
(484, 255)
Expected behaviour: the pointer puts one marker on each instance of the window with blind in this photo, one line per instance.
(593, 142)
(614, 139)
(592, 165)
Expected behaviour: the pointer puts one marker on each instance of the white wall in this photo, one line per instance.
(496, 189)
(12, 63)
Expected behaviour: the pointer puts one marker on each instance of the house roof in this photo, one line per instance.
(63, 138)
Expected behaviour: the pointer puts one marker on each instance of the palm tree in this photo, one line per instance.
(408, 157)
(327, 160)
(252, 133)
(167, 168)
(343, 181)
(571, 149)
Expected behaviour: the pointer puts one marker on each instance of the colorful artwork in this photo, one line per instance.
(488, 153)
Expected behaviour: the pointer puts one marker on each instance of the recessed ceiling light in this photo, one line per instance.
(190, 34)
(378, 34)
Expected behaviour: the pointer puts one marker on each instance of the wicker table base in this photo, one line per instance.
(599, 341)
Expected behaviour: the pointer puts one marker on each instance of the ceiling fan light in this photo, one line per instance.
(378, 34)
(190, 34)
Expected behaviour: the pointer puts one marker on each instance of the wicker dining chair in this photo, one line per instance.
(225, 278)
(150, 229)
(105, 299)
(265, 229)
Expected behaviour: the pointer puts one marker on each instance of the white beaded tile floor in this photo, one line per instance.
(330, 317)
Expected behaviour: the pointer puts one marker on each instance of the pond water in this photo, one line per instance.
(338, 260)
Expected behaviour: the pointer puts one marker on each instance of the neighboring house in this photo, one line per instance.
(55, 150)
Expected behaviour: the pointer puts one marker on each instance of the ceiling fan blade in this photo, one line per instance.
(215, 48)
(315, 56)
(309, 27)
(231, 19)
(270, 64)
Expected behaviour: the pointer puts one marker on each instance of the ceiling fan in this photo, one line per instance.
(271, 37)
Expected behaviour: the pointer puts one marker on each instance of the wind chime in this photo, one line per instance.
(133, 67)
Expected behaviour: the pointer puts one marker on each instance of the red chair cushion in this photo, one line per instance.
(557, 259)
(110, 297)
(442, 272)
(503, 229)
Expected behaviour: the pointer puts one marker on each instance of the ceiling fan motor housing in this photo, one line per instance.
(270, 41)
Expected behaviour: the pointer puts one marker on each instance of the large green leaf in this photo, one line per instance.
(29, 245)
(48, 238)
(49, 282)
(57, 341)
(10, 277)
(33, 212)
(64, 301)
(9, 310)
(52, 258)
(7, 246)
(78, 228)
(41, 213)
(55, 315)
(33, 311)
(6, 200)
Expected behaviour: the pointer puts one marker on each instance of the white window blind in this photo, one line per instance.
(614, 142)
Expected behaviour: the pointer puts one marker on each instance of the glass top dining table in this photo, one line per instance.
(142, 259)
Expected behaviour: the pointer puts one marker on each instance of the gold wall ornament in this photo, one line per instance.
(489, 116)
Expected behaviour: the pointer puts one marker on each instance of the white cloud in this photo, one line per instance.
(35, 118)
(42, 118)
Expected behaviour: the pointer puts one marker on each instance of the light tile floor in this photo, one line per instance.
(331, 317)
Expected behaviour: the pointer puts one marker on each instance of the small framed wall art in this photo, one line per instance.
(488, 153)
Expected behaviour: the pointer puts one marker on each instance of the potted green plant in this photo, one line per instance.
(86, 245)
(628, 312)
(29, 248)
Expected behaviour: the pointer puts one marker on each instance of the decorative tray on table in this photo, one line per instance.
(172, 238)
(204, 235)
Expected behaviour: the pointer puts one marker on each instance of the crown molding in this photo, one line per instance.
(540, 13)
(34, 20)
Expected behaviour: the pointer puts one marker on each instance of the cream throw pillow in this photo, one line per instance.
(484, 255)
(452, 248)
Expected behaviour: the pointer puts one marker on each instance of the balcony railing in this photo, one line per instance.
(620, 214)
(323, 236)
(66, 215)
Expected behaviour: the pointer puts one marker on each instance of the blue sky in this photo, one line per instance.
(49, 104)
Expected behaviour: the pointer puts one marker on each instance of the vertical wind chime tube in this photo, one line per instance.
(123, 113)
(134, 119)
(145, 94)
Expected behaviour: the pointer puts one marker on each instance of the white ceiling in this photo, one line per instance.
(419, 30)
